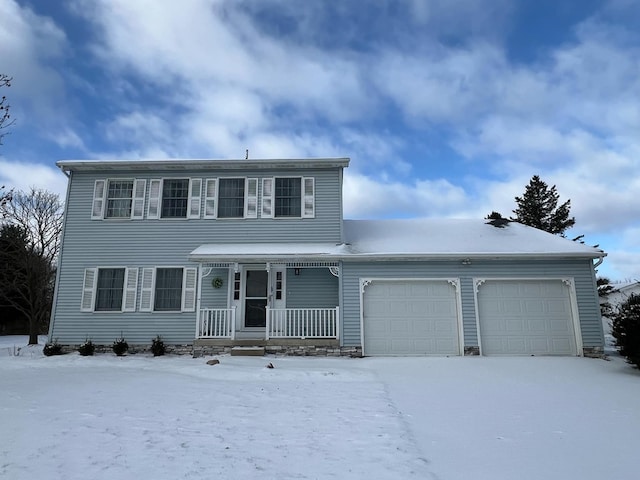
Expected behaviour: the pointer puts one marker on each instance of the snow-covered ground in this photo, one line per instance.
(137, 417)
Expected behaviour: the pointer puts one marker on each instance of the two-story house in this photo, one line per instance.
(217, 254)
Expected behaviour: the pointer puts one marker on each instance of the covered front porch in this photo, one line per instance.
(267, 293)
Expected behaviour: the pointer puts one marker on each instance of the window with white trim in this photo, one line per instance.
(109, 289)
(174, 198)
(288, 197)
(118, 198)
(168, 289)
(231, 198)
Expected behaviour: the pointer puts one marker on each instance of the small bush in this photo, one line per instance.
(626, 329)
(53, 348)
(87, 348)
(120, 346)
(157, 347)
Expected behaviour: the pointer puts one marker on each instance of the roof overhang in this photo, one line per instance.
(300, 252)
(199, 164)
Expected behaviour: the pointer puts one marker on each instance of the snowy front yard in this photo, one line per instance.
(139, 417)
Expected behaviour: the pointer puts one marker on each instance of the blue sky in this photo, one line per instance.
(445, 107)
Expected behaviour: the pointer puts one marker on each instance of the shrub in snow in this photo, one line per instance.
(87, 348)
(120, 346)
(157, 347)
(626, 329)
(53, 348)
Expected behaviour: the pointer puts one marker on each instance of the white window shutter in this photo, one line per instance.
(189, 286)
(153, 209)
(97, 208)
(308, 197)
(195, 193)
(88, 289)
(211, 198)
(267, 198)
(137, 208)
(130, 290)
(146, 293)
(251, 198)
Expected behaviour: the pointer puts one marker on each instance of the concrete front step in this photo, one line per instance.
(248, 351)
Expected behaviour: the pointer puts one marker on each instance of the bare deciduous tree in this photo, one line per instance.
(29, 245)
(5, 117)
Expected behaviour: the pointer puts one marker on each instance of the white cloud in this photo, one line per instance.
(365, 197)
(23, 176)
(28, 43)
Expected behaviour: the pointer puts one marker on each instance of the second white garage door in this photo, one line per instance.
(526, 317)
(410, 317)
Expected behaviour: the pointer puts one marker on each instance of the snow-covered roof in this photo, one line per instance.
(457, 238)
(268, 251)
(414, 239)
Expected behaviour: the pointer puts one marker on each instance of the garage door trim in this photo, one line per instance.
(568, 281)
(364, 282)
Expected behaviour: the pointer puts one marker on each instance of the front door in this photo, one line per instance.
(255, 297)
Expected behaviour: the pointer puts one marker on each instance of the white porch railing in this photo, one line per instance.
(216, 323)
(303, 323)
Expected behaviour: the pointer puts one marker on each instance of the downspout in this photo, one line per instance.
(599, 262)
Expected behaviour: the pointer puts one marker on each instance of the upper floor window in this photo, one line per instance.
(231, 198)
(118, 198)
(288, 197)
(174, 198)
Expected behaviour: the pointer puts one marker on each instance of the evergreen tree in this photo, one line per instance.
(538, 208)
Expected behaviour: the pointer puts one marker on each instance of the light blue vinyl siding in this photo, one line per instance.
(313, 288)
(580, 269)
(142, 243)
(212, 297)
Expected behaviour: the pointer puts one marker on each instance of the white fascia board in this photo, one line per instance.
(200, 164)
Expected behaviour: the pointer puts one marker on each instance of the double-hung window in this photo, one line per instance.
(174, 198)
(231, 197)
(168, 289)
(288, 197)
(118, 199)
(109, 289)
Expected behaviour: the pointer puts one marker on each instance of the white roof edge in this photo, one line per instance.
(469, 255)
(184, 164)
(388, 256)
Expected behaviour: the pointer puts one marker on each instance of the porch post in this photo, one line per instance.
(267, 322)
(198, 299)
(337, 323)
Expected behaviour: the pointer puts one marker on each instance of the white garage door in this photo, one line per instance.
(526, 317)
(410, 318)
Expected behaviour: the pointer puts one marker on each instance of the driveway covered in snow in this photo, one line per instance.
(171, 417)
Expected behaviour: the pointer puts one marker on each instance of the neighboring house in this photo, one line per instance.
(620, 292)
(212, 254)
